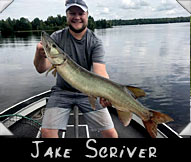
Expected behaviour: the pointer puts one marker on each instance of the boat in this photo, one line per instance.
(24, 119)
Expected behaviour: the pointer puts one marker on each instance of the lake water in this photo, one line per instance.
(155, 58)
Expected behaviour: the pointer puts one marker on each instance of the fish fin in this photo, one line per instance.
(137, 92)
(92, 101)
(155, 119)
(54, 70)
(125, 117)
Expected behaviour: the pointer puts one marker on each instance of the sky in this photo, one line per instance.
(99, 9)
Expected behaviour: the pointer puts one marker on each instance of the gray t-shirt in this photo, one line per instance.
(85, 51)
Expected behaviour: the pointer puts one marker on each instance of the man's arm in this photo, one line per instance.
(41, 63)
(100, 69)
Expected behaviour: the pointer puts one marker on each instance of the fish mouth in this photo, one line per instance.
(53, 57)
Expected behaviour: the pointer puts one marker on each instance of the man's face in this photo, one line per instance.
(77, 19)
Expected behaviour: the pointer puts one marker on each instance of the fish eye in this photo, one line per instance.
(54, 46)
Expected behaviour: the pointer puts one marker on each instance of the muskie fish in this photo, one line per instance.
(123, 98)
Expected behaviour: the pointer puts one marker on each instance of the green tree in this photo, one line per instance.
(91, 23)
(6, 27)
(36, 24)
(23, 24)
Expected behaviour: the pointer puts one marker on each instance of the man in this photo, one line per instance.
(87, 50)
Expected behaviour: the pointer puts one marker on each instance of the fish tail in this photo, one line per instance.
(155, 119)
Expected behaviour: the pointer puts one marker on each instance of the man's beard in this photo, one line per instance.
(77, 30)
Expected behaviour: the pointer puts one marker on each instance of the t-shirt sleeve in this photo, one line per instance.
(98, 52)
(54, 36)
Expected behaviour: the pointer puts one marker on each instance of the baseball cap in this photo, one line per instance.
(78, 3)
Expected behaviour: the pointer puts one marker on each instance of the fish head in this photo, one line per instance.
(55, 54)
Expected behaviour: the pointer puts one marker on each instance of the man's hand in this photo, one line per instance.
(40, 50)
(104, 102)
(41, 63)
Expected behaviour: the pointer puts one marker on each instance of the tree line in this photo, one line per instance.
(55, 23)
(150, 21)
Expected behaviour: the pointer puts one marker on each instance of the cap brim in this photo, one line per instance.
(82, 7)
